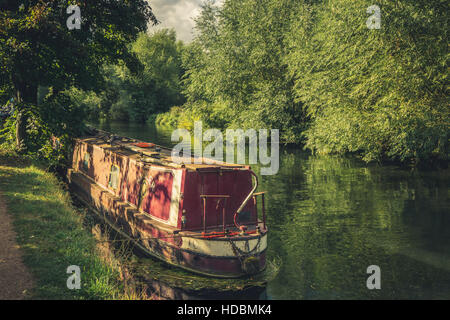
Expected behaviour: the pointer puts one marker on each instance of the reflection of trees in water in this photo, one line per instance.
(332, 217)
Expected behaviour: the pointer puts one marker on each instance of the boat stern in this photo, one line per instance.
(228, 256)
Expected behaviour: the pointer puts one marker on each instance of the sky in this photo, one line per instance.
(177, 14)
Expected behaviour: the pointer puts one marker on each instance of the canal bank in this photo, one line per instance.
(52, 235)
(15, 279)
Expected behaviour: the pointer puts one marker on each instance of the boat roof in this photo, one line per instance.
(152, 153)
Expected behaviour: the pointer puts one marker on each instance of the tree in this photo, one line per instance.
(378, 92)
(156, 87)
(38, 49)
(236, 74)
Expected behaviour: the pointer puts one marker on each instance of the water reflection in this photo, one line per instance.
(332, 217)
(167, 282)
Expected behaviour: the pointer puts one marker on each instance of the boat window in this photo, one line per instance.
(114, 177)
(87, 158)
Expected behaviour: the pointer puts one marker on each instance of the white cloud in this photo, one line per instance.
(177, 14)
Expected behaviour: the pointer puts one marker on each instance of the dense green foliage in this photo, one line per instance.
(235, 73)
(51, 126)
(314, 70)
(38, 49)
(379, 92)
(135, 96)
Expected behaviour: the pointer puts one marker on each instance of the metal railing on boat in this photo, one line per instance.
(219, 198)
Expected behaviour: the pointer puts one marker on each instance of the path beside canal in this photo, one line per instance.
(15, 279)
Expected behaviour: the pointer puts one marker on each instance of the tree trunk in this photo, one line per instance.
(21, 131)
(26, 95)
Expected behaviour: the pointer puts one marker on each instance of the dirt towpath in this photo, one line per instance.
(15, 280)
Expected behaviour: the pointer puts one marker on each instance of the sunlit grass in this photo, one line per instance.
(51, 235)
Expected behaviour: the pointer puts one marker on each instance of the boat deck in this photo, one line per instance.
(153, 153)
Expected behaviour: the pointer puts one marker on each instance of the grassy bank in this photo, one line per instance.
(52, 234)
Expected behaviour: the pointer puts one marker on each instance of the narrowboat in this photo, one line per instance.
(205, 217)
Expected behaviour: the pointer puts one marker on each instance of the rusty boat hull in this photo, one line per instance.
(201, 217)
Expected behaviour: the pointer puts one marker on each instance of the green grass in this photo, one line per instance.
(51, 234)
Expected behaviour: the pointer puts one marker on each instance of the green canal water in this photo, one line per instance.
(330, 218)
